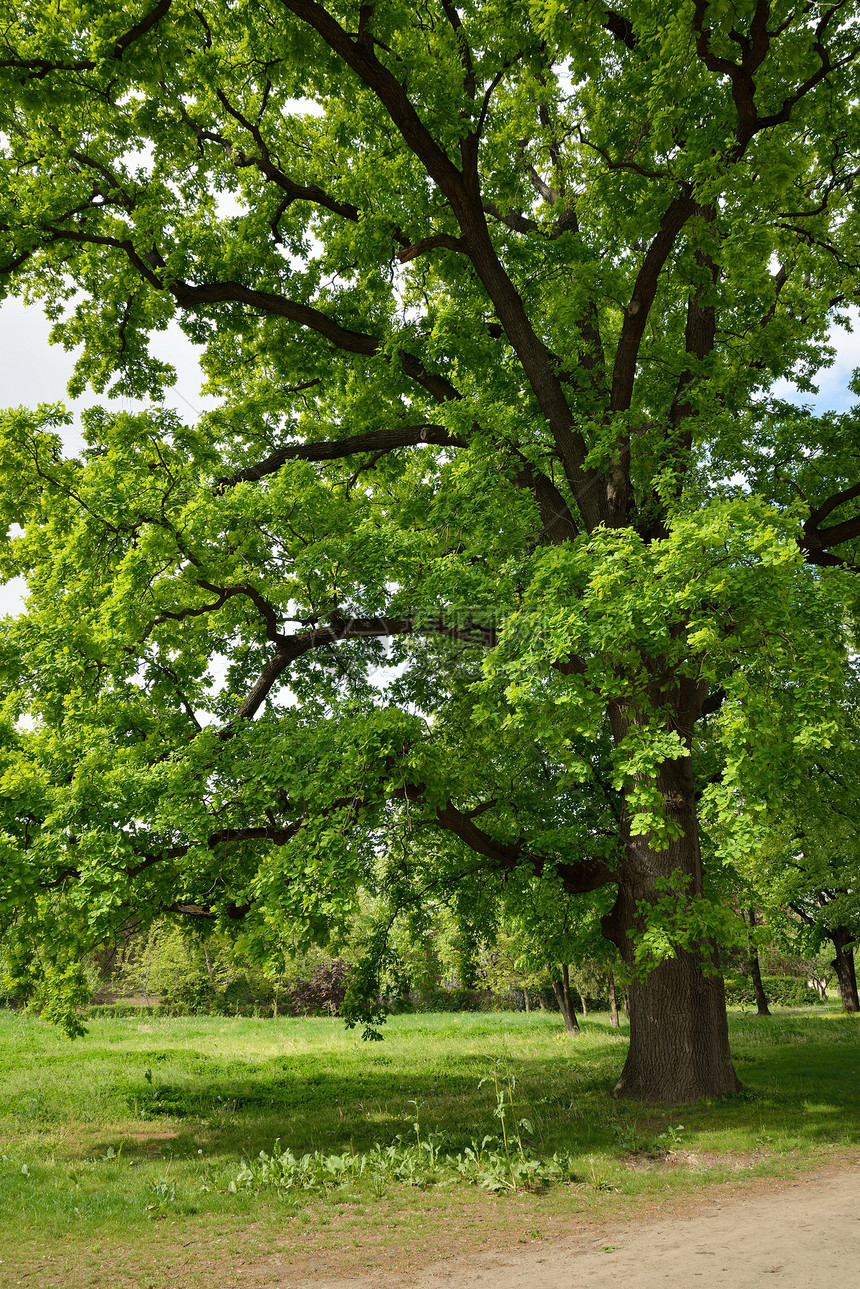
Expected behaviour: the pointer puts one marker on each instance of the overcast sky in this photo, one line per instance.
(33, 371)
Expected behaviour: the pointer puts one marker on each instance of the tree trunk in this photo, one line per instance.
(570, 1021)
(843, 965)
(679, 1036)
(565, 1006)
(613, 1003)
(758, 988)
(755, 971)
(526, 1001)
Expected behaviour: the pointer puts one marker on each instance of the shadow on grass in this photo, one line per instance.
(237, 1087)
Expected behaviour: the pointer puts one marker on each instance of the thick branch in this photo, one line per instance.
(621, 28)
(680, 209)
(462, 191)
(827, 507)
(700, 337)
(222, 594)
(332, 450)
(360, 56)
(290, 648)
(242, 160)
(465, 52)
(586, 875)
(437, 241)
(222, 836)
(578, 877)
(189, 296)
(755, 47)
(629, 342)
(557, 522)
(355, 342)
(512, 219)
(818, 541)
(146, 23)
(41, 67)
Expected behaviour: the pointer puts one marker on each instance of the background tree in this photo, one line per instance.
(493, 299)
(560, 935)
(751, 921)
(798, 853)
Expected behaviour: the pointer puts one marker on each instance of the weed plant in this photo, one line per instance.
(495, 1163)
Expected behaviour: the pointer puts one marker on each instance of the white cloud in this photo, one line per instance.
(833, 394)
(35, 371)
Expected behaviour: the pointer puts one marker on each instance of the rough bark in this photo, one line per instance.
(679, 1040)
(843, 965)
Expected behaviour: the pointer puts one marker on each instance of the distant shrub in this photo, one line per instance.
(781, 991)
(324, 992)
(465, 1000)
(450, 1000)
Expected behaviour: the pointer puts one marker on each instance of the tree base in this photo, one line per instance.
(679, 1037)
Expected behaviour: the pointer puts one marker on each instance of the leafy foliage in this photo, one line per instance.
(496, 364)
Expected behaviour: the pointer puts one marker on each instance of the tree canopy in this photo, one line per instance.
(494, 299)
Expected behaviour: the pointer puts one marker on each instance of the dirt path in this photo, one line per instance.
(802, 1234)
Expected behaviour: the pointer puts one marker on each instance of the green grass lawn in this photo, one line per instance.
(123, 1146)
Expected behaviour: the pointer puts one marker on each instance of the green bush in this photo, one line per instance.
(454, 1000)
(781, 991)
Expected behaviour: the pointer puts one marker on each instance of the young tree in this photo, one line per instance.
(493, 297)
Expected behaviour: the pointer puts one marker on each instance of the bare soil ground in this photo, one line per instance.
(802, 1233)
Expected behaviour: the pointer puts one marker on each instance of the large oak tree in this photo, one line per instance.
(494, 297)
